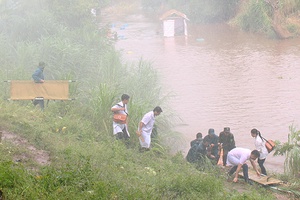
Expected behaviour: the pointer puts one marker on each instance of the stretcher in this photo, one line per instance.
(263, 179)
(49, 90)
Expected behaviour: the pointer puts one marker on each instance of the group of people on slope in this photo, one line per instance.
(145, 126)
(120, 128)
(213, 147)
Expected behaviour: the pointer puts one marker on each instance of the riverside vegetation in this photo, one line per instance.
(86, 162)
(272, 18)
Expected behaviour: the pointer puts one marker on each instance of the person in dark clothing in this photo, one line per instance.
(197, 152)
(226, 140)
(197, 140)
(213, 144)
(38, 77)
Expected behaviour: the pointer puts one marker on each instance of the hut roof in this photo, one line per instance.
(171, 13)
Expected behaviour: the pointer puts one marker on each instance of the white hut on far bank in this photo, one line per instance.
(174, 23)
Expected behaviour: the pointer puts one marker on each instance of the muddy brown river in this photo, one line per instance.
(219, 76)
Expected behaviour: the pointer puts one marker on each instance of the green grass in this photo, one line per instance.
(86, 162)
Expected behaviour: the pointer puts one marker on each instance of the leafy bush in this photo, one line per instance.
(211, 10)
(256, 17)
(291, 150)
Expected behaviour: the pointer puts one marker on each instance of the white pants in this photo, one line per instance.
(232, 161)
(147, 140)
(118, 128)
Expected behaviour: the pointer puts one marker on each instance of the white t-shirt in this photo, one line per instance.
(120, 105)
(148, 121)
(240, 155)
(116, 126)
(261, 147)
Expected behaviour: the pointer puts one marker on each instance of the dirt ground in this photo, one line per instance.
(243, 187)
(39, 156)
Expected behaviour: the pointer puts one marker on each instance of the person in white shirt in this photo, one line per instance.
(237, 158)
(261, 148)
(120, 127)
(145, 127)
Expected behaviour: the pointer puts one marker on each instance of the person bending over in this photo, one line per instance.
(237, 158)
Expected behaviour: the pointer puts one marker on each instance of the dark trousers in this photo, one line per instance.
(261, 165)
(40, 102)
(122, 135)
(225, 152)
(245, 171)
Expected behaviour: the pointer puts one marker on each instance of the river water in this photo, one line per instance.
(220, 76)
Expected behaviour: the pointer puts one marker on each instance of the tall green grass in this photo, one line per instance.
(88, 163)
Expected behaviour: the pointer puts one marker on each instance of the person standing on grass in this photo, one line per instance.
(261, 148)
(121, 127)
(38, 77)
(227, 142)
(237, 158)
(145, 127)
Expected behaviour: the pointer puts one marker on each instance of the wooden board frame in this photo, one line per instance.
(49, 90)
(263, 180)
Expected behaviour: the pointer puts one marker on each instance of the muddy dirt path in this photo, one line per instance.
(39, 156)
